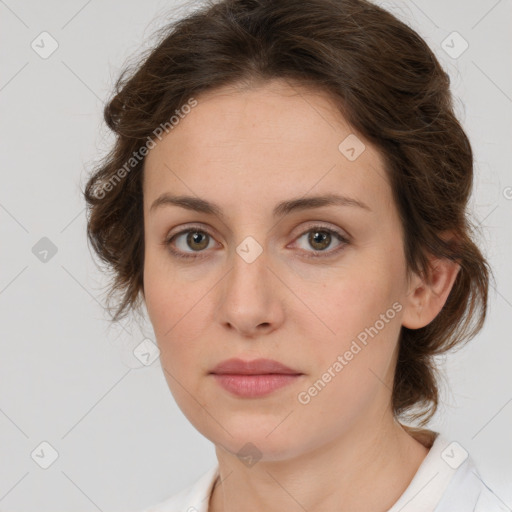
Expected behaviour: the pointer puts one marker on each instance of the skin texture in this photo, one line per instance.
(246, 151)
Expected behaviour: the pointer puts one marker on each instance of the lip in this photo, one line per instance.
(252, 379)
(254, 367)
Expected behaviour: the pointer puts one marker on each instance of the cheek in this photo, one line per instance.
(351, 367)
(172, 314)
(175, 309)
(165, 293)
(353, 300)
(362, 311)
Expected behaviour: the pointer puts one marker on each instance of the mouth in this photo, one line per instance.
(256, 378)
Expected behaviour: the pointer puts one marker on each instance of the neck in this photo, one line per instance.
(365, 469)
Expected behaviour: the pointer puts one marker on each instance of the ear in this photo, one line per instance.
(426, 297)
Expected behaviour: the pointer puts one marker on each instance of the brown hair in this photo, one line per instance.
(387, 84)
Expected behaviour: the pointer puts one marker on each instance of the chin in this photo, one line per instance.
(252, 441)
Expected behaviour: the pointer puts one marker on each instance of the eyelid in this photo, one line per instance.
(185, 229)
(188, 227)
(343, 237)
(303, 229)
(322, 225)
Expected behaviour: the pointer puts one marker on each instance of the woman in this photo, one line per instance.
(287, 198)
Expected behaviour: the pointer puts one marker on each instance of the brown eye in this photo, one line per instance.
(189, 243)
(319, 240)
(196, 240)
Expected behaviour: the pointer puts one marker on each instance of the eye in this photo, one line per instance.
(196, 238)
(320, 237)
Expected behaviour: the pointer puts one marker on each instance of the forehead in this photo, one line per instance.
(275, 140)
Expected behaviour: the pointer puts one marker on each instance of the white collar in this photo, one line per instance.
(444, 459)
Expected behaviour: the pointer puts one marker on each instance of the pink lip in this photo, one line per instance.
(254, 367)
(254, 378)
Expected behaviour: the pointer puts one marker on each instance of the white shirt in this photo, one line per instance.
(446, 481)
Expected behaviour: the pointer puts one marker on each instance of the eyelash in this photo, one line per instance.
(317, 254)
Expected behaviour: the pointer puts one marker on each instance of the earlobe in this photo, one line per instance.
(426, 298)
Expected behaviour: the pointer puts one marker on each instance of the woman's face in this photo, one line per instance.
(256, 282)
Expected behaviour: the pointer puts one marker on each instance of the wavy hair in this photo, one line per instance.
(385, 81)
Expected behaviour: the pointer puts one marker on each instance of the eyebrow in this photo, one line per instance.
(283, 208)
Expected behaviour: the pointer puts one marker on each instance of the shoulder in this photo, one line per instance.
(193, 498)
(448, 481)
(468, 491)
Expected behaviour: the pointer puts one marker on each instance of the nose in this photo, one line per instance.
(250, 299)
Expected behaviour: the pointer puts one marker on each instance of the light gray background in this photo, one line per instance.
(69, 379)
